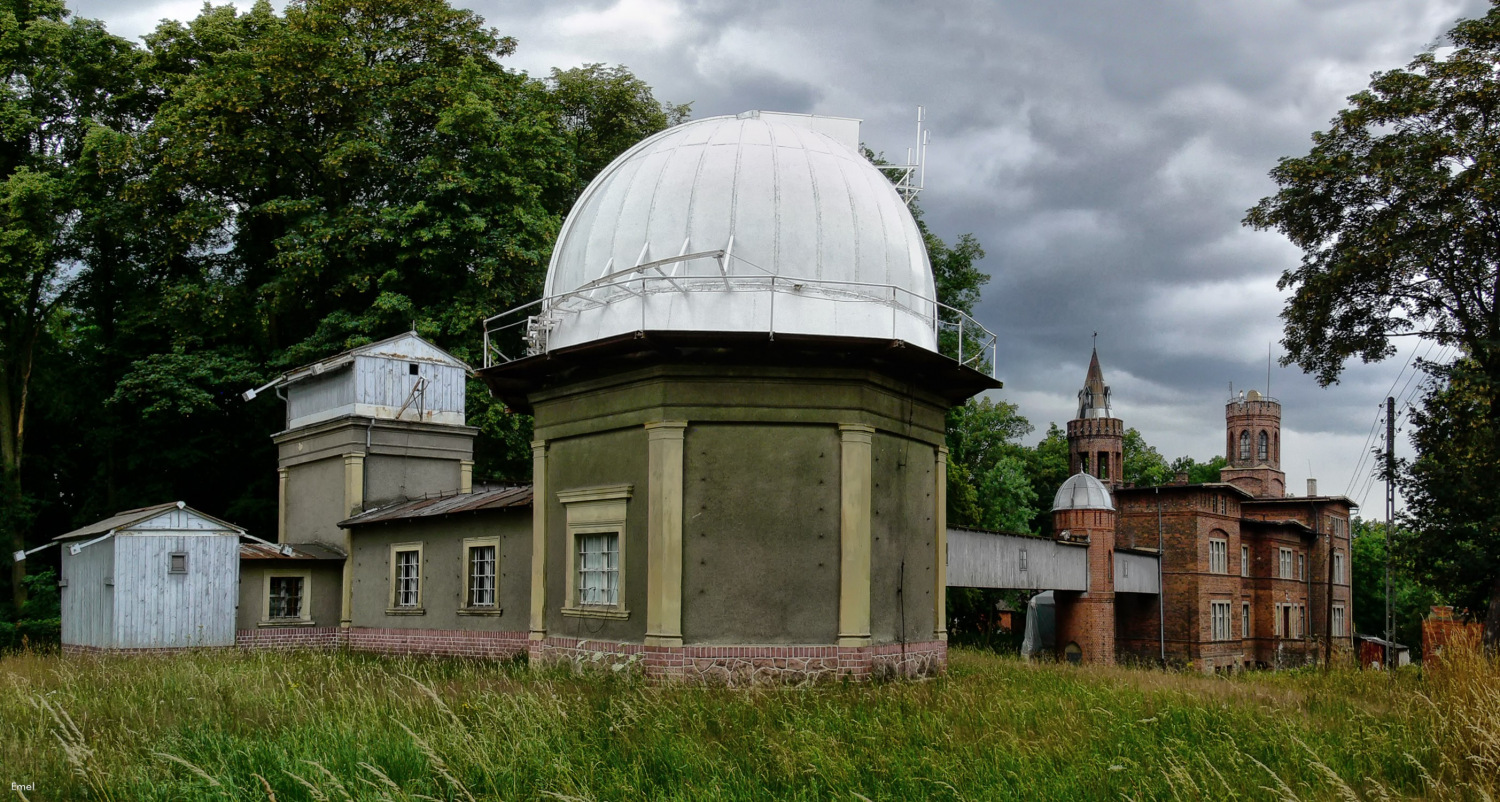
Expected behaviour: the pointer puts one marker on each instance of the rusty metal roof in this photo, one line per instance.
(479, 501)
(300, 551)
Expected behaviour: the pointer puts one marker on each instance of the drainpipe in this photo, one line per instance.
(1161, 584)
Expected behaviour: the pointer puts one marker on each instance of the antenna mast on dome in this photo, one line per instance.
(911, 178)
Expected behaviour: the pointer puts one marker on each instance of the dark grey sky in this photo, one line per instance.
(1103, 153)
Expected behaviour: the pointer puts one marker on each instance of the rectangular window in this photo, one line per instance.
(177, 563)
(1245, 620)
(480, 562)
(1286, 564)
(286, 597)
(1219, 612)
(1023, 561)
(1244, 560)
(1218, 556)
(599, 568)
(407, 563)
(1338, 620)
(595, 551)
(1301, 566)
(1338, 566)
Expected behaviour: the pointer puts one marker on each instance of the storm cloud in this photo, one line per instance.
(1103, 153)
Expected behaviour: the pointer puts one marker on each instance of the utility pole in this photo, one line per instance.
(1390, 516)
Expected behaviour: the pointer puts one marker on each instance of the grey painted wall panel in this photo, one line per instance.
(1136, 573)
(988, 560)
(156, 609)
(87, 602)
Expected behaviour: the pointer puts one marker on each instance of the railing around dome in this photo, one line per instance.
(975, 345)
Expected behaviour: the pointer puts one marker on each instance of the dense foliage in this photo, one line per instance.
(245, 192)
(1395, 211)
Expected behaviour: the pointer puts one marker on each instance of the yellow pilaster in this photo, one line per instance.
(664, 533)
(466, 476)
(354, 503)
(538, 539)
(281, 479)
(940, 540)
(854, 534)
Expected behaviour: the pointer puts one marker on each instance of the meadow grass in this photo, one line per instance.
(233, 725)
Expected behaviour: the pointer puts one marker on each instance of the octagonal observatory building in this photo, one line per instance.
(739, 459)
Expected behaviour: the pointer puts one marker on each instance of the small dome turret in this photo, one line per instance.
(1082, 492)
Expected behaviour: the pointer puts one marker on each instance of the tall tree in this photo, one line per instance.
(1452, 501)
(988, 485)
(65, 83)
(1395, 212)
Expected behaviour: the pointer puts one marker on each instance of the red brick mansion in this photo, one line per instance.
(1250, 575)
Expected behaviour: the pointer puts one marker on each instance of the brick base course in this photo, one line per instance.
(288, 638)
(738, 666)
(445, 642)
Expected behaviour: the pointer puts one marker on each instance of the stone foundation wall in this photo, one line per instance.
(739, 666)
(288, 638)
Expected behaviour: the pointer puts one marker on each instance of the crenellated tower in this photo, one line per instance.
(1096, 438)
(1252, 445)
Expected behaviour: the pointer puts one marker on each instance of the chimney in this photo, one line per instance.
(1312, 487)
(1180, 479)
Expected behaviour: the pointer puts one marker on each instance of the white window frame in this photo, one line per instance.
(593, 511)
(1244, 560)
(466, 572)
(1218, 556)
(394, 597)
(1246, 630)
(1337, 625)
(1338, 566)
(1219, 620)
(1285, 564)
(304, 611)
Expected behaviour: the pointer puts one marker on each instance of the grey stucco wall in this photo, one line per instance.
(391, 478)
(902, 529)
(442, 571)
(760, 534)
(315, 502)
(322, 593)
(606, 458)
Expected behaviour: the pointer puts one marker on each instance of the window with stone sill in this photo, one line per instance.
(596, 544)
(481, 572)
(1219, 614)
(406, 578)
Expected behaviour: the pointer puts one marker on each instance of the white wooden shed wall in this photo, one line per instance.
(156, 609)
(376, 381)
(88, 597)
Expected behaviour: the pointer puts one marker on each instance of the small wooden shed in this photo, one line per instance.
(162, 577)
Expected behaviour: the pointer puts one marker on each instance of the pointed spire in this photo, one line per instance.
(1093, 399)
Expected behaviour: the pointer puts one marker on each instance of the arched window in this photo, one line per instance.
(1244, 446)
(1263, 450)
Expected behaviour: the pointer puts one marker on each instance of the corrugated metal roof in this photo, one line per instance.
(482, 500)
(300, 551)
(121, 520)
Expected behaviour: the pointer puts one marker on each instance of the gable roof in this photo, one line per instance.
(130, 519)
(407, 345)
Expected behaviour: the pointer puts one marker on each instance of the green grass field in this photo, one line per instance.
(308, 726)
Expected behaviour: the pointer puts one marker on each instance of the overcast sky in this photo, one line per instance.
(1103, 153)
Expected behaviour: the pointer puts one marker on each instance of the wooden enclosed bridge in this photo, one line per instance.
(983, 559)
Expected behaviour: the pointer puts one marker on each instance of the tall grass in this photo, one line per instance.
(312, 726)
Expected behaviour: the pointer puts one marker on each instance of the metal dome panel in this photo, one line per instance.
(757, 222)
(1082, 492)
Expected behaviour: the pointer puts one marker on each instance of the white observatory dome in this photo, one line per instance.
(761, 222)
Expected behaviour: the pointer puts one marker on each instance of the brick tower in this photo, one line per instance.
(1083, 512)
(1252, 443)
(1096, 438)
